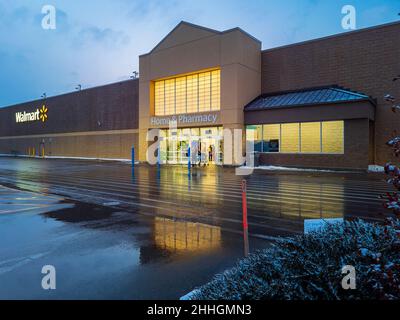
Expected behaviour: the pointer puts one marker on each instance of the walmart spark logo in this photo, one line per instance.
(43, 113)
(38, 115)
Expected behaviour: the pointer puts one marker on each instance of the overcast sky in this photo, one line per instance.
(99, 41)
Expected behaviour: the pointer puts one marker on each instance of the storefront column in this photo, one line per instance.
(233, 143)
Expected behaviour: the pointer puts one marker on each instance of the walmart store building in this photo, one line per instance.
(316, 104)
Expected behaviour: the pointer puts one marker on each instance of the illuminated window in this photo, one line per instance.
(180, 95)
(257, 134)
(271, 137)
(159, 97)
(332, 136)
(170, 96)
(290, 138)
(204, 92)
(311, 137)
(192, 93)
(306, 137)
(215, 90)
(188, 94)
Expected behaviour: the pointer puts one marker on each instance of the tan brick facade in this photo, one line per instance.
(189, 48)
(104, 122)
(366, 61)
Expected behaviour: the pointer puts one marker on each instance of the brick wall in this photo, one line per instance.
(100, 122)
(364, 61)
(114, 146)
(108, 107)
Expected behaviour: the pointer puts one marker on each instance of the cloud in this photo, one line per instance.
(14, 17)
(99, 41)
(375, 14)
(106, 37)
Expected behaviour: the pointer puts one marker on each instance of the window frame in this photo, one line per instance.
(279, 138)
(343, 134)
(320, 138)
(209, 88)
(300, 142)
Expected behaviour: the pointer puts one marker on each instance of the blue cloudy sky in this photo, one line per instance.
(98, 41)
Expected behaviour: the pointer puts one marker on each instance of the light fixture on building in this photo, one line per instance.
(44, 95)
(78, 87)
(135, 75)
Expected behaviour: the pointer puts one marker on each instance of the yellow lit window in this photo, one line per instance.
(271, 137)
(215, 90)
(306, 137)
(159, 98)
(192, 93)
(170, 96)
(188, 94)
(290, 138)
(204, 91)
(332, 137)
(311, 137)
(180, 95)
(256, 133)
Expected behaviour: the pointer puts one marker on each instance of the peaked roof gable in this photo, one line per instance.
(184, 32)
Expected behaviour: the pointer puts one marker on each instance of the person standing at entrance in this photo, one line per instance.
(210, 153)
(199, 156)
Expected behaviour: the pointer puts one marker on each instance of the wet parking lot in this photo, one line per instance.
(114, 233)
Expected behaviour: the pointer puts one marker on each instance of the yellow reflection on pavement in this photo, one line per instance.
(182, 235)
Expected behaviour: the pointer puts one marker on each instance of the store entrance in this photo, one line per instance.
(206, 145)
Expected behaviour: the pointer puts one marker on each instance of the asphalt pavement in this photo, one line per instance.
(116, 233)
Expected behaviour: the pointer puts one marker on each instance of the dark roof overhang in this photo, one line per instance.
(314, 104)
(306, 97)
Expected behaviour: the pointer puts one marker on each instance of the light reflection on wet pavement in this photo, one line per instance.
(102, 252)
(154, 234)
(15, 201)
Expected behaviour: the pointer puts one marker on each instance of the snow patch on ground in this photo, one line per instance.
(111, 204)
(74, 158)
(278, 168)
(375, 168)
(86, 158)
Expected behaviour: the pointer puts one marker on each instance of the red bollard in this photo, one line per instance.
(245, 223)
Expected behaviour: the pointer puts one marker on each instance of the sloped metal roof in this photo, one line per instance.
(304, 97)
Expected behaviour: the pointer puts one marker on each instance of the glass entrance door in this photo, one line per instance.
(205, 145)
(211, 145)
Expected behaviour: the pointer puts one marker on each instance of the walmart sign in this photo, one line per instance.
(38, 115)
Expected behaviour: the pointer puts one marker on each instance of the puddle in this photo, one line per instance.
(81, 212)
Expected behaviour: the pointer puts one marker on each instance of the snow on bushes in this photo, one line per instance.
(309, 267)
(392, 200)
